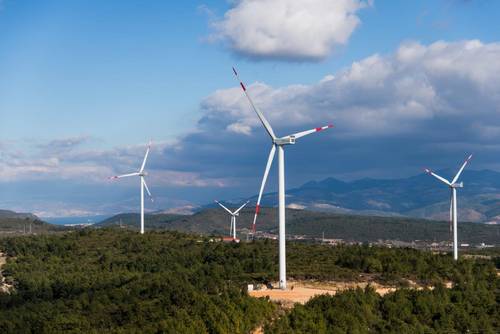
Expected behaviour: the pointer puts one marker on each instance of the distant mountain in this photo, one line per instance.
(14, 223)
(419, 196)
(313, 224)
(4, 214)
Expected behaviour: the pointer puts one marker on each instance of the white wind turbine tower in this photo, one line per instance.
(277, 142)
(232, 229)
(453, 185)
(141, 173)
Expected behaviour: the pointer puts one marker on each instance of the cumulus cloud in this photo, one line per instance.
(288, 29)
(421, 104)
(410, 91)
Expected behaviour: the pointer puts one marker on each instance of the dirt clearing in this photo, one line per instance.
(301, 292)
(4, 287)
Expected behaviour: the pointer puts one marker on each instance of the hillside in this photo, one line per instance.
(131, 220)
(13, 223)
(419, 196)
(8, 214)
(313, 224)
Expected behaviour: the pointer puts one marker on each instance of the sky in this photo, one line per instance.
(84, 86)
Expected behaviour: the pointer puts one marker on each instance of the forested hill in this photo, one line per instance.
(13, 223)
(314, 224)
(119, 281)
(131, 220)
(8, 214)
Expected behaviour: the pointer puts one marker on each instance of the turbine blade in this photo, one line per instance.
(241, 207)
(264, 179)
(124, 175)
(224, 207)
(308, 132)
(455, 179)
(147, 189)
(145, 158)
(442, 179)
(263, 120)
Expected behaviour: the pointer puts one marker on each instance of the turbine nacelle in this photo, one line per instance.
(457, 185)
(288, 140)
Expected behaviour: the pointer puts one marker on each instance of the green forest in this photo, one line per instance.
(471, 306)
(118, 281)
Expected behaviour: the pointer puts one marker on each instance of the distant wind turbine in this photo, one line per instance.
(232, 229)
(277, 142)
(141, 173)
(453, 185)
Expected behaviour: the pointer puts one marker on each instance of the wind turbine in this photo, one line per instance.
(232, 229)
(279, 143)
(453, 185)
(141, 173)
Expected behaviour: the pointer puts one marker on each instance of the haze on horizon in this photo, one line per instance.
(86, 84)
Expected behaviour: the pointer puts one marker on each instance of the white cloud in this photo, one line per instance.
(296, 206)
(383, 95)
(239, 128)
(288, 29)
(185, 179)
(64, 159)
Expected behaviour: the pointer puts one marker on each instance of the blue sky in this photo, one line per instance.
(85, 84)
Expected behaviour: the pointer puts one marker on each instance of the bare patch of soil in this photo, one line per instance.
(302, 291)
(4, 286)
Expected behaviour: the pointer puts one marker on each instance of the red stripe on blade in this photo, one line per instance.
(257, 209)
(319, 129)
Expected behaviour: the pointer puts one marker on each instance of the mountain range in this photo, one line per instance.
(419, 196)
